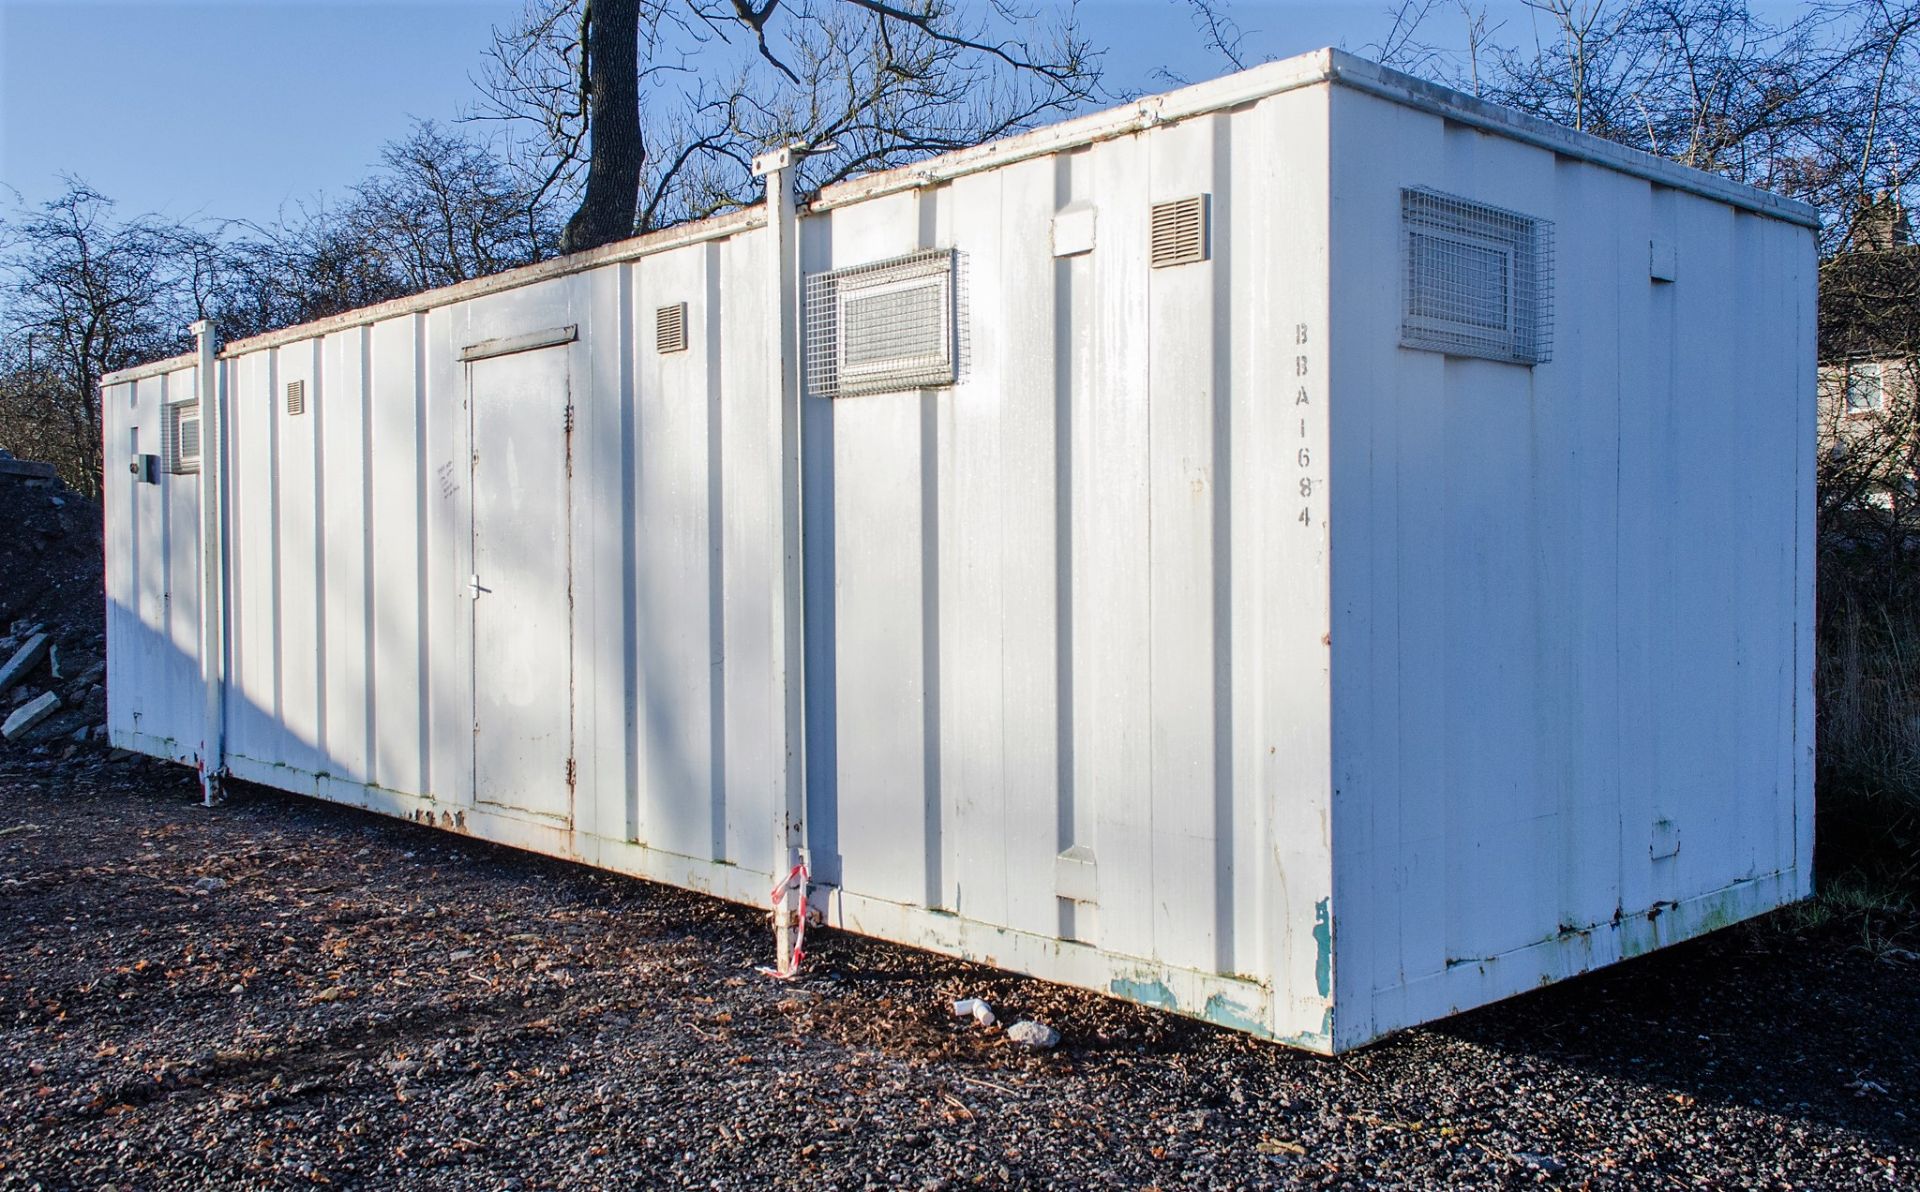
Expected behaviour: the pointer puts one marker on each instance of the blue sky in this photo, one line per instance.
(234, 108)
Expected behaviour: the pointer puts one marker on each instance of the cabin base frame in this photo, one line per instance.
(1242, 1005)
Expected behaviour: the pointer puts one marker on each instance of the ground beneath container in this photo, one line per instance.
(282, 993)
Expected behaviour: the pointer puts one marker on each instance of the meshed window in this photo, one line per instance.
(1866, 387)
(180, 432)
(901, 326)
(882, 328)
(1479, 280)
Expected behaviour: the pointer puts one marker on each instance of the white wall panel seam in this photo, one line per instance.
(1337, 758)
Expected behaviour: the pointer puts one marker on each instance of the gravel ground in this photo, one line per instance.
(282, 993)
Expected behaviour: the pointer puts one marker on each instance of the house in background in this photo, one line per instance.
(1869, 345)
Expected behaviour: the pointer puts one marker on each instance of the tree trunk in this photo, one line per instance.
(611, 64)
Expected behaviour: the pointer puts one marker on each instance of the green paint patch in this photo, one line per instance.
(1150, 992)
(1320, 1040)
(1226, 1012)
(1323, 947)
(1722, 912)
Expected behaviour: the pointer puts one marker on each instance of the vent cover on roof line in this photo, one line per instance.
(1479, 279)
(1180, 231)
(670, 328)
(296, 397)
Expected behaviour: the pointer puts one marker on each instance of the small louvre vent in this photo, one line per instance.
(1180, 232)
(670, 328)
(1479, 279)
(886, 327)
(296, 397)
(180, 438)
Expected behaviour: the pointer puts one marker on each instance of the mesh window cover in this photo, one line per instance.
(1479, 280)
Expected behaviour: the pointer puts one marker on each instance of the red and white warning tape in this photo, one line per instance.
(796, 879)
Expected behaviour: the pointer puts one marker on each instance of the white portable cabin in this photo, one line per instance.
(1310, 551)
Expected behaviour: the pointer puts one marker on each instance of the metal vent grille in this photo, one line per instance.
(296, 397)
(670, 328)
(180, 438)
(1479, 279)
(1180, 232)
(884, 327)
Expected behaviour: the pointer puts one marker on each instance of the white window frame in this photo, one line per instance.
(1860, 370)
(1507, 250)
(1430, 220)
(881, 376)
(177, 460)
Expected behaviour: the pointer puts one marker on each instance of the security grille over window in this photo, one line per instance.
(884, 327)
(296, 397)
(1479, 279)
(1180, 232)
(180, 437)
(670, 328)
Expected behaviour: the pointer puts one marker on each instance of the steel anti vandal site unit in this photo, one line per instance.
(1310, 551)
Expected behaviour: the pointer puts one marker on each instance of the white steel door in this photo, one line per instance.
(522, 656)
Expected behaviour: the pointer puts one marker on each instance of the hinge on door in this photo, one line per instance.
(567, 420)
(571, 772)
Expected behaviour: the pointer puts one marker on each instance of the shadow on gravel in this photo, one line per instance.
(285, 992)
(1819, 1024)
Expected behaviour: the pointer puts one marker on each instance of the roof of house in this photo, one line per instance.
(1870, 304)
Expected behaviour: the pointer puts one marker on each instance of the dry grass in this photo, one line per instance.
(1867, 681)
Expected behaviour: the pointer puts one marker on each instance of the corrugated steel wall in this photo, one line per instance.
(152, 576)
(1028, 634)
(1063, 606)
(353, 541)
(1086, 691)
(1571, 602)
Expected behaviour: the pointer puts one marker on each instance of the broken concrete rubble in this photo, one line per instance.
(30, 714)
(23, 661)
(1032, 1035)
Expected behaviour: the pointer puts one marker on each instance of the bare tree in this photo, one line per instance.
(1405, 44)
(610, 88)
(1219, 32)
(440, 209)
(863, 84)
(1818, 105)
(86, 293)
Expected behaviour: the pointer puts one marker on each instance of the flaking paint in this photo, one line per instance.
(1323, 947)
(1076, 602)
